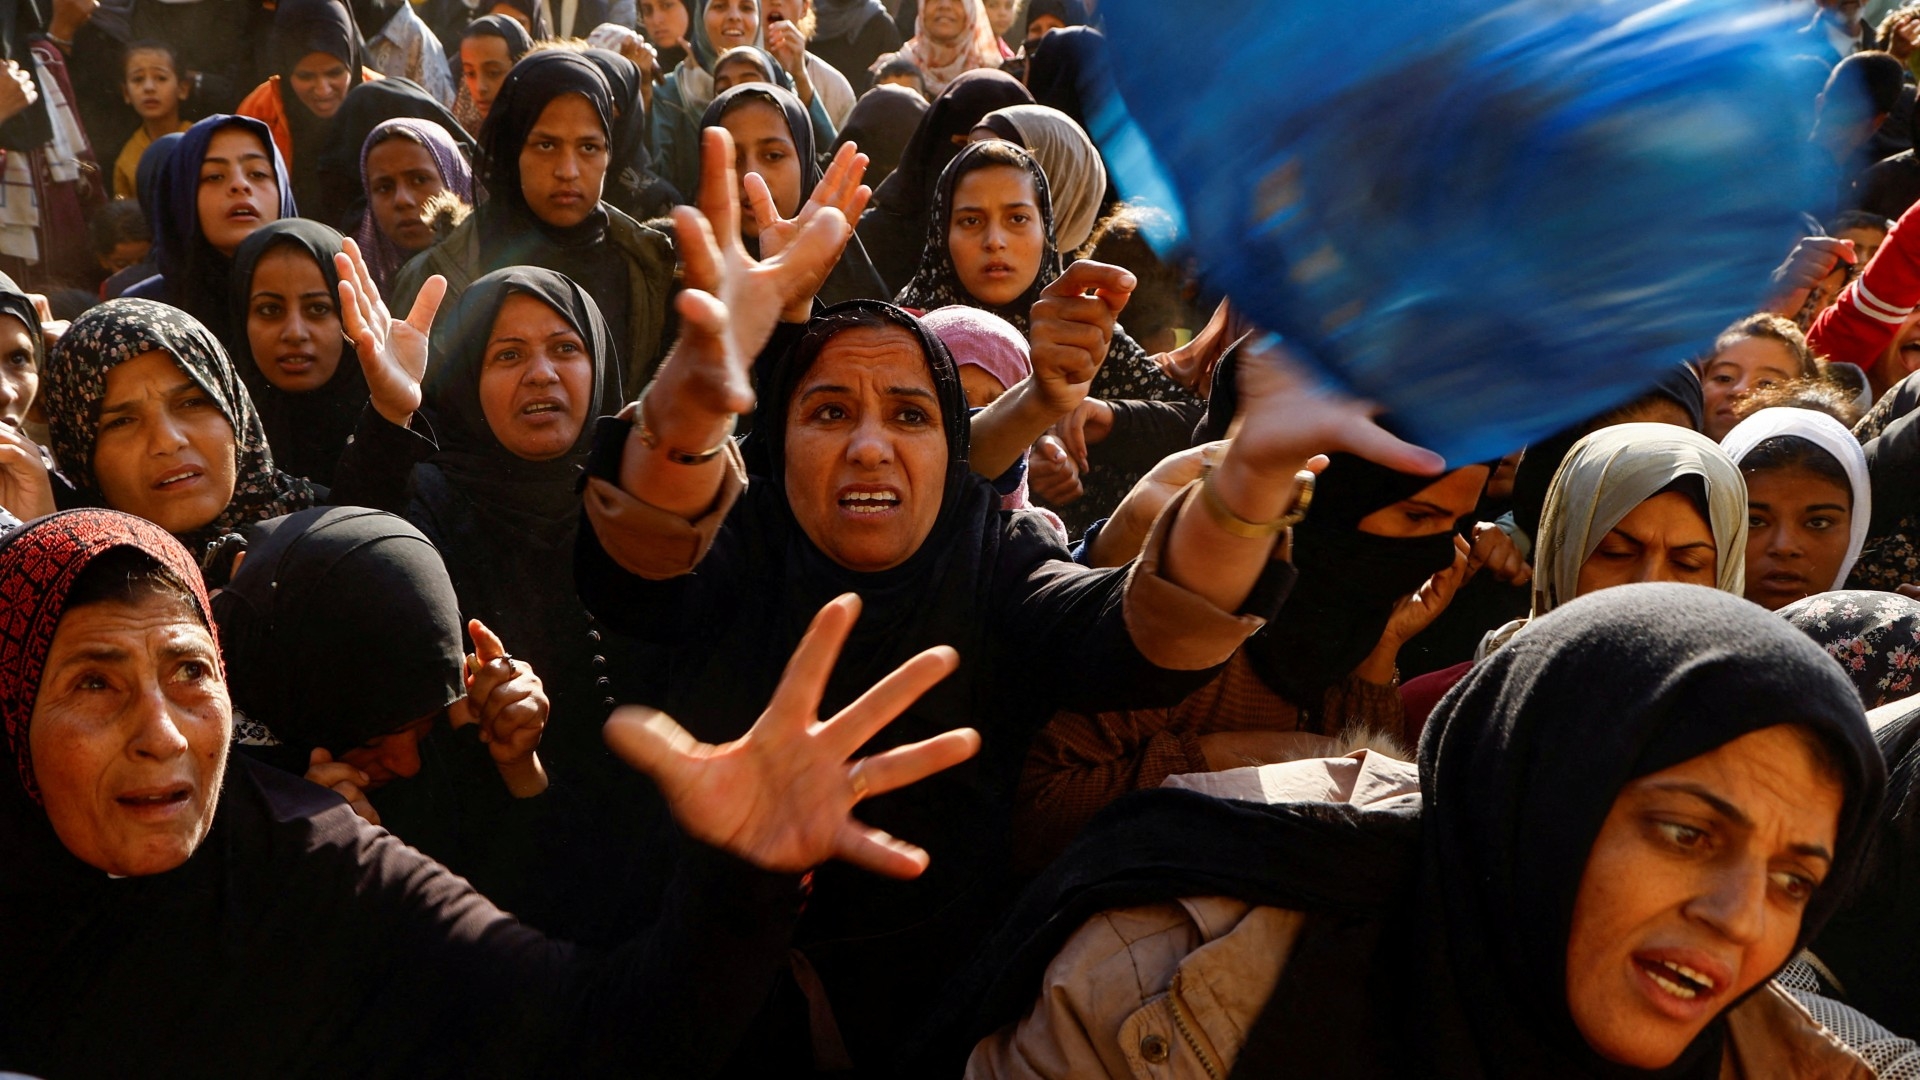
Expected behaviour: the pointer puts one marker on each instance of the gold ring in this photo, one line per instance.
(858, 778)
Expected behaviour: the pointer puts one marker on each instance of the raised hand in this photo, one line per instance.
(26, 491)
(1811, 261)
(839, 188)
(1071, 326)
(782, 795)
(393, 352)
(344, 780)
(509, 702)
(789, 46)
(1496, 551)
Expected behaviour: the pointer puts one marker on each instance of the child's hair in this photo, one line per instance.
(1857, 219)
(896, 66)
(153, 45)
(1819, 394)
(117, 223)
(1773, 328)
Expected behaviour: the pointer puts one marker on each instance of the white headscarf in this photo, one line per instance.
(1076, 177)
(940, 65)
(1603, 479)
(1829, 435)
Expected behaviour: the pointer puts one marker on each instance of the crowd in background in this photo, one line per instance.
(703, 539)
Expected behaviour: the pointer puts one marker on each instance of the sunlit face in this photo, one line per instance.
(293, 321)
(866, 454)
(320, 81)
(736, 71)
(945, 21)
(238, 189)
(19, 371)
(152, 87)
(401, 177)
(731, 23)
(484, 63)
(665, 22)
(996, 235)
(563, 164)
(1434, 509)
(514, 13)
(1901, 358)
(1753, 363)
(1662, 539)
(390, 757)
(1694, 892)
(1799, 526)
(164, 451)
(536, 382)
(129, 734)
(763, 144)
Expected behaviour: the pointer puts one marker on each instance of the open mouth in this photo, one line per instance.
(296, 364)
(152, 800)
(178, 479)
(544, 410)
(1678, 979)
(870, 502)
(243, 213)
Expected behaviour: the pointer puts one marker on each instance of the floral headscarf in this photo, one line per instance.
(1874, 635)
(941, 64)
(38, 566)
(75, 384)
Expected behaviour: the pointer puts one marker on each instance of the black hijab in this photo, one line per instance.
(536, 18)
(306, 431)
(529, 500)
(194, 276)
(338, 193)
(936, 283)
(302, 27)
(882, 122)
(15, 302)
(340, 626)
(1349, 582)
(1436, 938)
(519, 42)
(895, 226)
(511, 234)
(853, 276)
(631, 185)
(1062, 67)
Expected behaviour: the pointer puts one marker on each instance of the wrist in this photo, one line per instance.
(1254, 492)
(525, 777)
(684, 440)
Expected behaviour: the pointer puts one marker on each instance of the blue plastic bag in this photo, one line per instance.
(1495, 220)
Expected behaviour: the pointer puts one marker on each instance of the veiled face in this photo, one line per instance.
(866, 453)
(536, 380)
(665, 22)
(563, 164)
(129, 733)
(763, 144)
(484, 63)
(293, 325)
(239, 191)
(321, 81)
(401, 177)
(163, 450)
(1665, 538)
(1694, 892)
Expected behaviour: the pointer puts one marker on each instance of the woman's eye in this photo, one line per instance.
(1797, 886)
(1755, 521)
(1720, 380)
(830, 412)
(320, 311)
(192, 671)
(1021, 218)
(1685, 837)
(1822, 522)
(504, 356)
(267, 311)
(913, 416)
(90, 681)
(1766, 384)
(20, 359)
(212, 178)
(116, 422)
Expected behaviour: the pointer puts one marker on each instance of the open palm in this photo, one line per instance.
(393, 352)
(782, 795)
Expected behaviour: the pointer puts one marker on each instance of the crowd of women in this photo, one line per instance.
(700, 540)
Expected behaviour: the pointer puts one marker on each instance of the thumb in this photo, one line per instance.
(648, 740)
(319, 756)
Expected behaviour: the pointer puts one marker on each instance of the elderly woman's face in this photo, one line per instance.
(129, 733)
(944, 20)
(866, 452)
(163, 450)
(536, 380)
(1662, 539)
(1694, 892)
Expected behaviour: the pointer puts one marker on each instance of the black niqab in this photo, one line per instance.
(340, 626)
(882, 122)
(306, 431)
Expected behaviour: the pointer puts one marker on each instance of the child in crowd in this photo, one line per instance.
(120, 235)
(152, 84)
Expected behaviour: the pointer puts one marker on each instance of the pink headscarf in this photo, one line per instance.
(982, 339)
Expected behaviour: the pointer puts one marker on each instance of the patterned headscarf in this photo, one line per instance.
(75, 384)
(382, 254)
(1874, 635)
(941, 64)
(38, 566)
(937, 284)
(1076, 177)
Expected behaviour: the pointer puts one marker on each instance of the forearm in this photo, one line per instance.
(1860, 324)
(1202, 555)
(1003, 431)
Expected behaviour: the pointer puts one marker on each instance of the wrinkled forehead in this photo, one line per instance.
(894, 348)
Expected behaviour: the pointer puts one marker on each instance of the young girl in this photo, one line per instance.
(1808, 502)
(1756, 352)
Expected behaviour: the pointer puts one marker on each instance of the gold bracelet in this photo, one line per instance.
(651, 439)
(1233, 523)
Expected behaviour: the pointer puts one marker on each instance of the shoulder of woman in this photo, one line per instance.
(1770, 1036)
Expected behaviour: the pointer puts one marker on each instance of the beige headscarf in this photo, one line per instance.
(1603, 478)
(941, 64)
(1076, 177)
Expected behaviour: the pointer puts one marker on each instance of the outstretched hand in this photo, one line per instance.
(782, 795)
(393, 352)
(1287, 416)
(839, 188)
